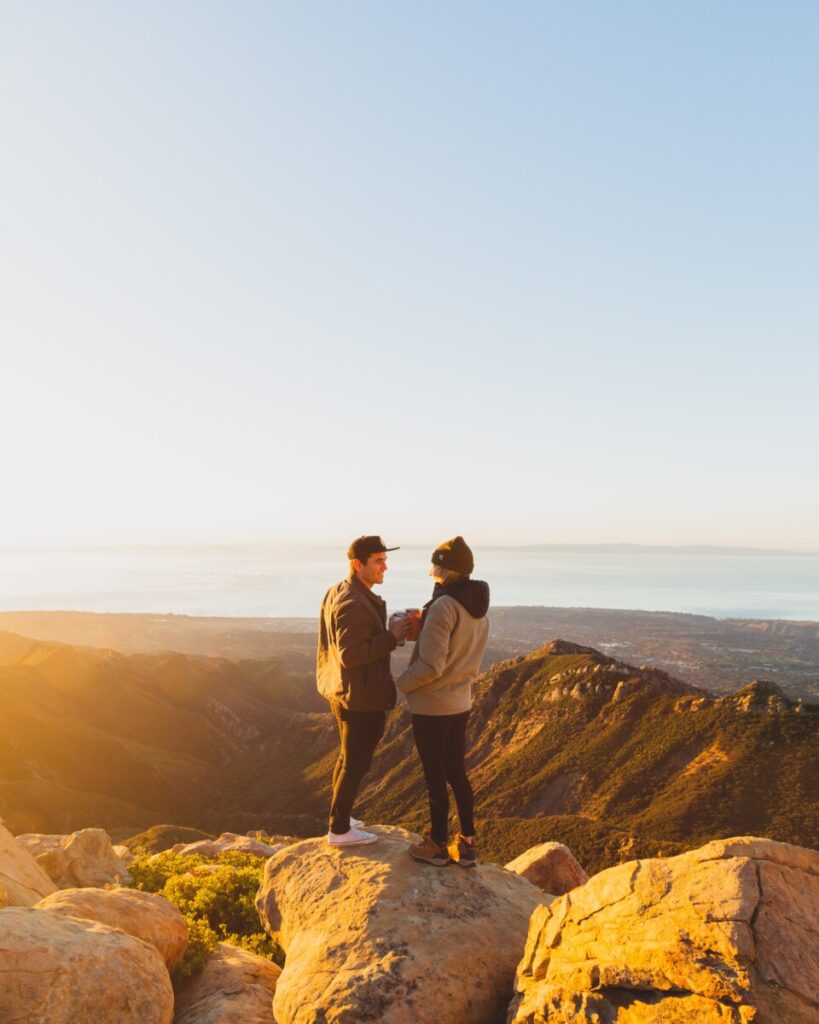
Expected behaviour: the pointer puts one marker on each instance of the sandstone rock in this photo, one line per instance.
(265, 837)
(82, 858)
(144, 915)
(551, 867)
(58, 970)
(123, 855)
(22, 880)
(372, 935)
(727, 933)
(234, 986)
(229, 841)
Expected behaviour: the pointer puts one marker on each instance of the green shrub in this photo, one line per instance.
(260, 944)
(201, 943)
(152, 873)
(216, 898)
(224, 898)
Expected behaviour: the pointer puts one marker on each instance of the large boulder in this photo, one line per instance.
(725, 933)
(551, 867)
(235, 985)
(372, 935)
(82, 858)
(58, 970)
(22, 881)
(229, 842)
(144, 915)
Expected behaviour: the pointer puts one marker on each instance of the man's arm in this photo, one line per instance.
(433, 648)
(357, 645)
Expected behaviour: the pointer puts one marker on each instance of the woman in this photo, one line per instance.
(438, 685)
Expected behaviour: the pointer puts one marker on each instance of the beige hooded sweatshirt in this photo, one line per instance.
(448, 652)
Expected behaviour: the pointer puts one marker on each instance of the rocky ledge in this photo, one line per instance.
(372, 935)
(728, 933)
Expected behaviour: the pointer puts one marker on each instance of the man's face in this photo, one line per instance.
(372, 571)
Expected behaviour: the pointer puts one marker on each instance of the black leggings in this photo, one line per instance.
(358, 733)
(441, 743)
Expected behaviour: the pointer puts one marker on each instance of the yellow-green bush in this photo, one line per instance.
(216, 898)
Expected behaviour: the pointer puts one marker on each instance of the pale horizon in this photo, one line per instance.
(290, 580)
(340, 546)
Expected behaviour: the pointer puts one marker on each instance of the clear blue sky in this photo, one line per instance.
(532, 272)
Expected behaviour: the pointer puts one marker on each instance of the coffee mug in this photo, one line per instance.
(415, 618)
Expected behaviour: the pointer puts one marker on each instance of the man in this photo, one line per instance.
(353, 673)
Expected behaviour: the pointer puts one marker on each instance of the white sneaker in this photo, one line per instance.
(355, 837)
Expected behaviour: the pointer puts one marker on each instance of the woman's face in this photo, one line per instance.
(437, 573)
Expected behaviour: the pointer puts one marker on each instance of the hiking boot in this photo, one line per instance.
(430, 852)
(463, 853)
(355, 837)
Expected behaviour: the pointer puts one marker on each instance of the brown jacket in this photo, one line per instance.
(354, 647)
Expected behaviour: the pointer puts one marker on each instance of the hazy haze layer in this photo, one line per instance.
(287, 582)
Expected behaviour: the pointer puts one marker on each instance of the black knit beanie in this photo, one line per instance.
(454, 554)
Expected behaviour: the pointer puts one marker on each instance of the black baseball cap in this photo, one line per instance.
(362, 547)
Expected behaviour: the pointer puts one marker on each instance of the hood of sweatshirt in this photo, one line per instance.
(472, 594)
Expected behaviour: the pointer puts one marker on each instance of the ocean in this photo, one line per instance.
(291, 581)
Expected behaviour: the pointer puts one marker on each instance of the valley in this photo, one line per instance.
(565, 743)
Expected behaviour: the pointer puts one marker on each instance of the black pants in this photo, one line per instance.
(359, 733)
(441, 743)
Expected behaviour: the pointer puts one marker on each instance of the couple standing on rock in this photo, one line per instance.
(353, 672)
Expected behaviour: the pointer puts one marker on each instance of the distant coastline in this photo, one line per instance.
(718, 654)
(663, 549)
(620, 547)
(289, 581)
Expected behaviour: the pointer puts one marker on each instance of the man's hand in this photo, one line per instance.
(400, 626)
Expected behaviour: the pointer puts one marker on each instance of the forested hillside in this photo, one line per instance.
(565, 743)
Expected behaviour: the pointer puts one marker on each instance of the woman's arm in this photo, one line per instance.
(433, 647)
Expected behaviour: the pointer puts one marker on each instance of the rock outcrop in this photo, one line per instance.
(162, 837)
(59, 970)
(228, 841)
(22, 881)
(82, 858)
(551, 867)
(372, 935)
(726, 933)
(144, 915)
(123, 855)
(234, 986)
